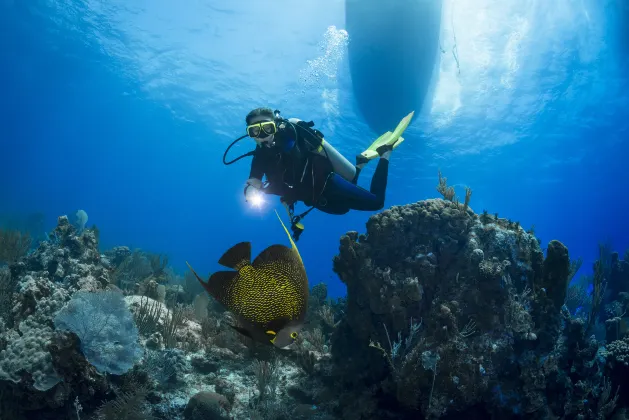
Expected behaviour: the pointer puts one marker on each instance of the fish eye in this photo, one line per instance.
(293, 335)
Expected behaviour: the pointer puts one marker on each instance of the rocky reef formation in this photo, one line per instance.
(449, 312)
(39, 367)
(118, 335)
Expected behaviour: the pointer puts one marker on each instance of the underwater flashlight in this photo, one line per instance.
(257, 200)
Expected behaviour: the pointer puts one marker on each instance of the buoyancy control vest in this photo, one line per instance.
(340, 164)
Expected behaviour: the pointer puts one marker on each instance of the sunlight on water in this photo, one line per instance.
(504, 62)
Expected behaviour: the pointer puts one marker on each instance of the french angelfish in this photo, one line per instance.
(269, 296)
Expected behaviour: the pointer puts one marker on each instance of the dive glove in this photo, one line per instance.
(253, 187)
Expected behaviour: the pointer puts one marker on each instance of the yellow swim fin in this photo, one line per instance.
(372, 154)
(383, 139)
(391, 138)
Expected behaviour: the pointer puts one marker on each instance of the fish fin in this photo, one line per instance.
(272, 335)
(277, 325)
(290, 238)
(242, 331)
(195, 274)
(274, 254)
(219, 284)
(237, 256)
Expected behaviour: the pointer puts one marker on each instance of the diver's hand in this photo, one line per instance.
(253, 189)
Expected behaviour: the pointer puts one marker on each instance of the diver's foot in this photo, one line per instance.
(386, 138)
(384, 151)
(370, 153)
(361, 161)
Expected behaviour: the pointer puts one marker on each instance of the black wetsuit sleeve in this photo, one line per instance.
(257, 166)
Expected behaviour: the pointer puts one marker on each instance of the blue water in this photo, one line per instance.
(124, 109)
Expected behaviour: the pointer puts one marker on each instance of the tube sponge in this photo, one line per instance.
(106, 328)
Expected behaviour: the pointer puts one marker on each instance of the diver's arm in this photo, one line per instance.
(254, 183)
(257, 164)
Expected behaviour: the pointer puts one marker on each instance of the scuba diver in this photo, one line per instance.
(300, 165)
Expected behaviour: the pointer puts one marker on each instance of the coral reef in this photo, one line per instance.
(43, 367)
(118, 335)
(448, 314)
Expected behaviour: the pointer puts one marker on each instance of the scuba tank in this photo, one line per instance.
(339, 163)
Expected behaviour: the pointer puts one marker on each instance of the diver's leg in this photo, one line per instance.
(360, 199)
(345, 194)
(361, 161)
(379, 180)
(375, 200)
(339, 193)
(342, 194)
(359, 168)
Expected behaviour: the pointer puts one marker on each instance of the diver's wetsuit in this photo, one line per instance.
(296, 173)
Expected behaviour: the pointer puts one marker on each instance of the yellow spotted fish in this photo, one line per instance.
(270, 295)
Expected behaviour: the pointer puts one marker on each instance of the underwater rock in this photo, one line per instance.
(78, 376)
(155, 341)
(432, 277)
(614, 329)
(319, 293)
(117, 255)
(44, 281)
(207, 405)
(550, 290)
(204, 365)
(618, 352)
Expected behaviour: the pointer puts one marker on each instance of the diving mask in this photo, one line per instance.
(261, 129)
